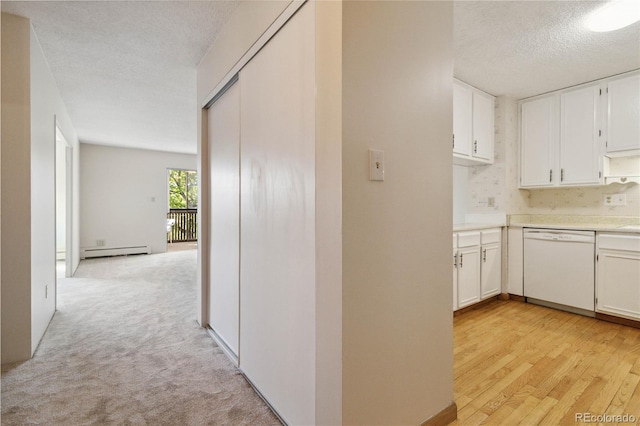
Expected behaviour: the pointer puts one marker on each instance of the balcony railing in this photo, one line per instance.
(186, 226)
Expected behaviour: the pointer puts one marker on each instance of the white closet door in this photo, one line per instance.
(224, 163)
(277, 275)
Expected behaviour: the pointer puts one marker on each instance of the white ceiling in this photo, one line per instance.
(126, 70)
(525, 48)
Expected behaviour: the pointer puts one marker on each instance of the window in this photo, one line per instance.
(183, 189)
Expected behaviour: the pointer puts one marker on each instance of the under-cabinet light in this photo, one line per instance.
(614, 15)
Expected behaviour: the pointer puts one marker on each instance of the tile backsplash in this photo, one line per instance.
(585, 201)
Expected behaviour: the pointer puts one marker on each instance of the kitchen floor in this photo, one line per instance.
(518, 363)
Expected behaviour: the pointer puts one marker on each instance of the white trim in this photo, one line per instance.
(115, 251)
(223, 345)
(255, 48)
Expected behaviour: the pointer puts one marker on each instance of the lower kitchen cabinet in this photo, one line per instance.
(618, 275)
(491, 265)
(468, 275)
(477, 266)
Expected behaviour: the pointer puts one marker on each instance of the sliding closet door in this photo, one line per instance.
(224, 163)
(277, 326)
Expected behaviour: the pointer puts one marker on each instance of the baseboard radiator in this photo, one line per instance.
(87, 253)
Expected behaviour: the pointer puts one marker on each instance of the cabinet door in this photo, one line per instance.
(490, 270)
(538, 142)
(462, 119)
(579, 141)
(618, 283)
(483, 127)
(623, 124)
(468, 276)
(455, 279)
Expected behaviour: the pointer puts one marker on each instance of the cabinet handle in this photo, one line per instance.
(484, 255)
(475, 147)
(461, 254)
(454, 141)
(455, 260)
(550, 175)
(561, 175)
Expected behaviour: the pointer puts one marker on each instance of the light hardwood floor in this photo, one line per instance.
(518, 363)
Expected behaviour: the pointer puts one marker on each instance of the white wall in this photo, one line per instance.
(397, 322)
(33, 104)
(16, 190)
(460, 193)
(46, 108)
(396, 277)
(124, 195)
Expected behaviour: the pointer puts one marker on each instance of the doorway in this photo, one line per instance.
(182, 215)
(64, 193)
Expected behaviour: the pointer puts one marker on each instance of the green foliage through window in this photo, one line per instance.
(183, 189)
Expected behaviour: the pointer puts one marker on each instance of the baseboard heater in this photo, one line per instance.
(117, 251)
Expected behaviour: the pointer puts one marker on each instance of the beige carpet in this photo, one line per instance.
(124, 348)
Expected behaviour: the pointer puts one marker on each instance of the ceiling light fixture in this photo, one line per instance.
(614, 15)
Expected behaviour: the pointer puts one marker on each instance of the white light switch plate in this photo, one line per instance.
(376, 165)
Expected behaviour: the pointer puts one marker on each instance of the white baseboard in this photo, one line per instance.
(113, 251)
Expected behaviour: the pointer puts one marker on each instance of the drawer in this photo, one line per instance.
(491, 236)
(627, 242)
(468, 239)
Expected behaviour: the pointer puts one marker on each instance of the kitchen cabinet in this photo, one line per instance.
(618, 275)
(560, 139)
(491, 264)
(468, 268)
(473, 125)
(623, 119)
(567, 136)
(580, 153)
(477, 266)
(462, 120)
(538, 141)
(455, 272)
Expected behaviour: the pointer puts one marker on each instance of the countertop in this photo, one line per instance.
(629, 224)
(585, 223)
(460, 227)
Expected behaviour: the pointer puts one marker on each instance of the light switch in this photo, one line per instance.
(376, 165)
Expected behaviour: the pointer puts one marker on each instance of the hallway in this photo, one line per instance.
(124, 348)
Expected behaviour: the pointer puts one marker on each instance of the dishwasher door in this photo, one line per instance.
(559, 267)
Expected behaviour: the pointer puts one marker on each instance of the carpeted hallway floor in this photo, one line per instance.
(124, 348)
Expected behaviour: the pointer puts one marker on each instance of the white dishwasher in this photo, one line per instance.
(559, 268)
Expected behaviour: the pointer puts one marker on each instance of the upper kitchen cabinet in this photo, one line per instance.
(580, 154)
(538, 141)
(567, 135)
(623, 123)
(559, 139)
(473, 125)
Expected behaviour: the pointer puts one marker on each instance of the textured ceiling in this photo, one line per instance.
(126, 70)
(525, 48)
